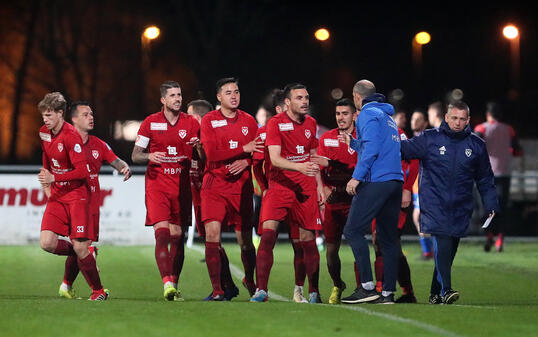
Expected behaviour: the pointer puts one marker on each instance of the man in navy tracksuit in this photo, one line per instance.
(377, 189)
(451, 159)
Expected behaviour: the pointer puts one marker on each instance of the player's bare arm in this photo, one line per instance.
(122, 167)
(45, 177)
(256, 145)
(307, 168)
(139, 156)
(320, 160)
(197, 145)
(238, 166)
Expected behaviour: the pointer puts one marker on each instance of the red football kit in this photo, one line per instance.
(166, 181)
(291, 193)
(336, 177)
(67, 208)
(227, 198)
(196, 174)
(97, 152)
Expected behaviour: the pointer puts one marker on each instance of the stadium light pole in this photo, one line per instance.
(419, 40)
(511, 33)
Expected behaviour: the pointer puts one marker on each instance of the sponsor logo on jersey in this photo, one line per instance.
(442, 150)
(285, 126)
(244, 130)
(77, 148)
(158, 126)
(171, 150)
(60, 147)
(45, 137)
(263, 135)
(172, 170)
(233, 144)
(300, 149)
(218, 123)
(95, 154)
(331, 142)
(182, 133)
(194, 164)
(55, 163)
(307, 133)
(468, 152)
(403, 136)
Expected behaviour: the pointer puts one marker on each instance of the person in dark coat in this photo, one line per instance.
(451, 160)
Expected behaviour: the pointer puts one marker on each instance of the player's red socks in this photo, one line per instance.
(248, 257)
(264, 260)
(357, 275)
(334, 266)
(177, 255)
(378, 267)
(298, 263)
(88, 268)
(212, 260)
(225, 275)
(64, 248)
(311, 261)
(162, 256)
(71, 269)
(404, 276)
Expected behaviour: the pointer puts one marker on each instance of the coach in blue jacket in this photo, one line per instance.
(451, 159)
(377, 189)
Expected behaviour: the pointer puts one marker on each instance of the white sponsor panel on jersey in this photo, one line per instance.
(285, 126)
(142, 141)
(45, 136)
(331, 142)
(219, 123)
(158, 126)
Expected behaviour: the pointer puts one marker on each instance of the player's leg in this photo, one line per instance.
(404, 279)
(311, 260)
(248, 257)
(162, 257)
(177, 255)
(56, 222)
(298, 266)
(333, 227)
(378, 263)
(213, 258)
(88, 268)
(445, 248)
(264, 259)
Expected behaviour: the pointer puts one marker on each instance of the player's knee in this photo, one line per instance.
(48, 245)
(81, 248)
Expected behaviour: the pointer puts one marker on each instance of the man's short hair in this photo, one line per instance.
(223, 81)
(168, 85)
(460, 105)
(200, 107)
(74, 105)
(439, 108)
(494, 109)
(364, 88)
(52, 101)
(278, 100)
(347, 102)
(292, 86)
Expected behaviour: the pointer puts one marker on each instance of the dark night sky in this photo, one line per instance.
(370, 41)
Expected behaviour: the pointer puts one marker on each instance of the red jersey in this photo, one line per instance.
(261, 162)
(296, 141)
(223, 139)
(97, 152)
(161, 136)
(340, 173)
(196, 174)
(63, 157)
(409, 168)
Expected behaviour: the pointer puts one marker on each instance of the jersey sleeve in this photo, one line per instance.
(208, 138)
(272, 136)
(257, 156)
(77, 158)
(108, 155)
(322, 149)
(144, 136)
(411, 175)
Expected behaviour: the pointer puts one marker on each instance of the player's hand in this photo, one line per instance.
(308, 168)
(406, 198)
(320, 160)
(126, 171)
(322, 198)
(157, 157)
(345, 137)
(352, 186)
(238, 166)
(194, 142)
(45, 177)
(264, 193)
(255, 145)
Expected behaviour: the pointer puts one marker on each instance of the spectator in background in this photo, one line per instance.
(436, 112)
(418, 122)
(401, 119)
(502, 144)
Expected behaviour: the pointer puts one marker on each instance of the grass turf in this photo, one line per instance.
(499, 296)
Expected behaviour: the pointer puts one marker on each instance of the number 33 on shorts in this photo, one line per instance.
(80, 229)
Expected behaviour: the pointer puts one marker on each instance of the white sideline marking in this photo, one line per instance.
(428, 327)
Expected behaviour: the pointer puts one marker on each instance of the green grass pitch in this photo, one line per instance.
(499, 297)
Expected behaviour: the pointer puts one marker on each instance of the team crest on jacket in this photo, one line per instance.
(60, 147)
(244, 129)
(468, 152)
(307, 133)
(95, 154)
(182, 133)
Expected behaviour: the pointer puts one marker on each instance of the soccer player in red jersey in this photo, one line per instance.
(228, 138)
(338, 161)
(165, 142)
(65, 169)
(198, 109)
(96, 152)
(261, 165)
(295, 188)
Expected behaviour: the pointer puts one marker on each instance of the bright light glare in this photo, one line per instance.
(152, 32)
(510, 32)
(423, 38)
(322, 34)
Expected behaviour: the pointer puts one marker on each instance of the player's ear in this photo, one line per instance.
(162, 100)
(219, 97)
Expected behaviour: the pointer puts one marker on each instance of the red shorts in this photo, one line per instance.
(334, 222)
(162, 206)
(67, 219)
(232, 209)
(282, 204)
(401, 221)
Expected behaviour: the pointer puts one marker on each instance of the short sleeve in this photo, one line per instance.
(143, 137)
(272, 136)
(108, 155)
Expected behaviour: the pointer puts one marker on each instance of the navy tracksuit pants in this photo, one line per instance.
(379, 200)
(444, 248)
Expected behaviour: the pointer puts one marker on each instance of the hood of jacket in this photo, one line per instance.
(455, 134)
(377, 100)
